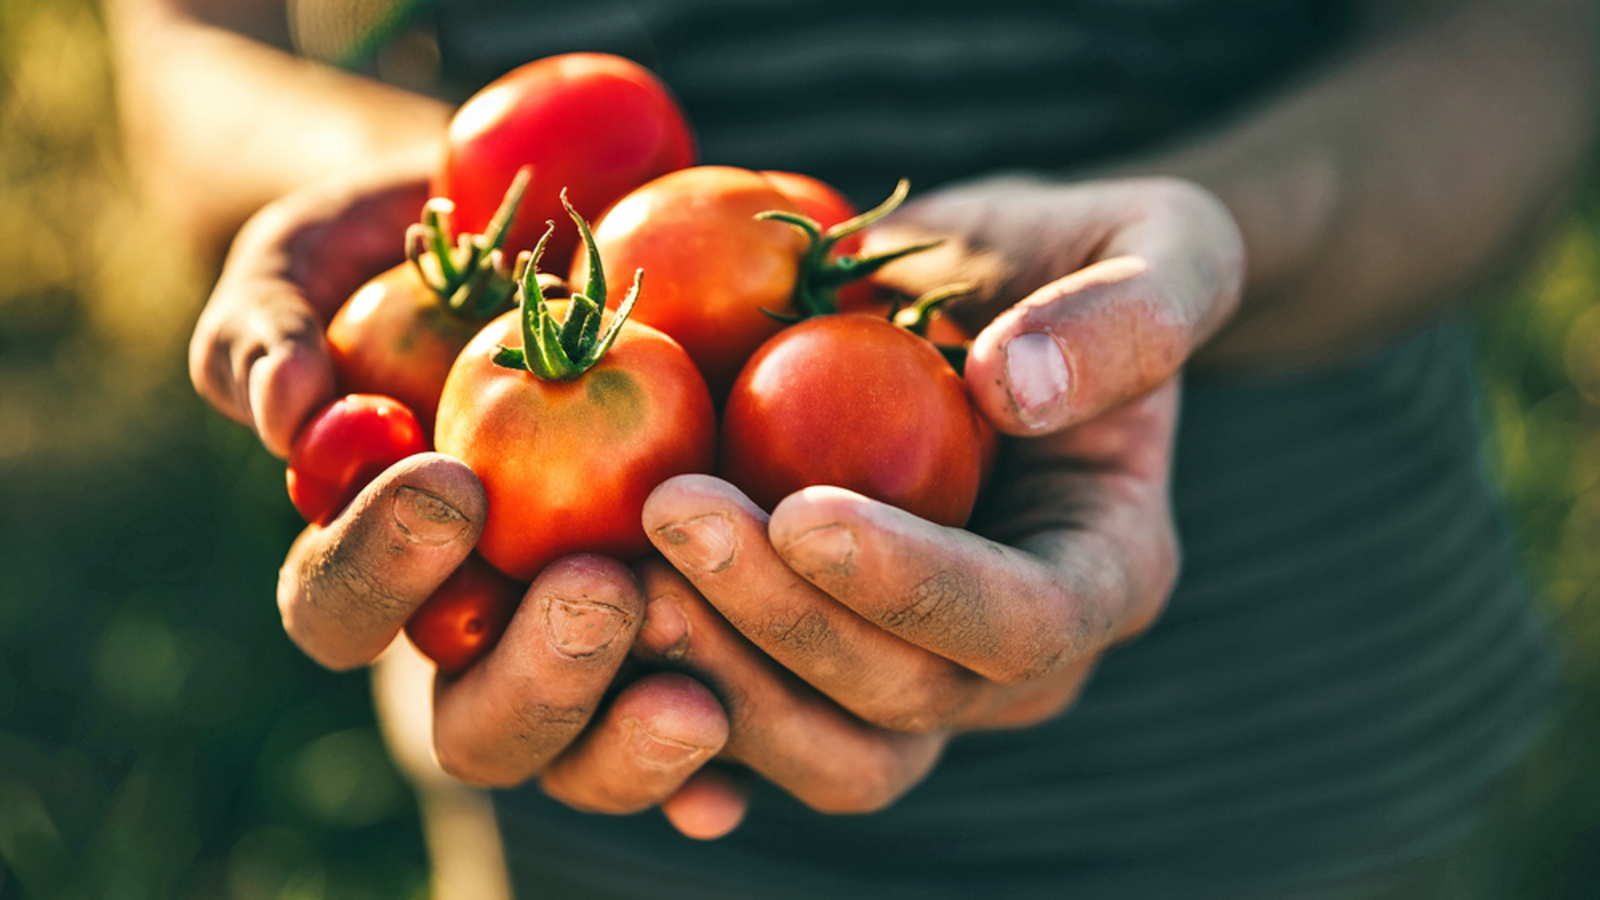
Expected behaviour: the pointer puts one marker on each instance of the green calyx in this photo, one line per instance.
(561, 351)
(466, 271)
(916, 316)
(816, 291)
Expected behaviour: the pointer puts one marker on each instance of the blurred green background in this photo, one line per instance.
(159, 737)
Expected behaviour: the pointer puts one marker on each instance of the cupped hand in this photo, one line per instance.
(849, 640)
(540, 705)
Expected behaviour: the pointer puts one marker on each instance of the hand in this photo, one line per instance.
(1091, 294)
(849, 640)
(537, 705)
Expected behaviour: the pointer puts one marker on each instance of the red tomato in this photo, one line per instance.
(394, 337)
(594, 124)
(343, 447)
(400, 332)
(465, 617)
(828, 207)
(855, 401)
(567, 465)
(711, 267)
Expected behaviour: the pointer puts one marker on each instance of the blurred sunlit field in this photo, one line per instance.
(159, 737)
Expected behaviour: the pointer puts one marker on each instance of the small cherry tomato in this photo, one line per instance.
(466, 616)
(855, 401)
(593, 124)
(343, 447)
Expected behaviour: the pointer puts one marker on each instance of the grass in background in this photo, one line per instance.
(159, 737)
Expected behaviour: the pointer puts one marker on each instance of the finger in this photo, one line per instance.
(779, 726)
(258, 353)
(1092, 552)
(651, 739)
(503, 720)
(710, 805)
(1165, 279)
(346, 589)
(719, 540)
(258, 356)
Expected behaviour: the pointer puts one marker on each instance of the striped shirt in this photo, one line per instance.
(1348, 661)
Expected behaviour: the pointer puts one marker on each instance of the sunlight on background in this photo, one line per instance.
(159, 737)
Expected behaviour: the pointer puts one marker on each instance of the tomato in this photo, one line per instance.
(594, 124)
(719, 268)
(570, 427)
(343, 447)
(711, 266)
(465, 617)
(855, 401)
(822, 202)
(400, 332)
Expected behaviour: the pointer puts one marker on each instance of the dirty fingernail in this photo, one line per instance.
(830, 548)
(582, 629)
(704, 542)
(1037, 376)
(665, 631)
(426, 518)
(657, 752)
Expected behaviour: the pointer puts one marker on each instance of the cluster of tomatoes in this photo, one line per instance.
(729, 354)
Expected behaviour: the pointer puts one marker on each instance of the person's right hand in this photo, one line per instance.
(533, 707)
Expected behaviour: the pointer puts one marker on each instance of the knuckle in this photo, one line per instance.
(802, 632)
(929, 606)
(925, 702)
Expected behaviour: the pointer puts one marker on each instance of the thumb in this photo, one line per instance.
(1115, 329)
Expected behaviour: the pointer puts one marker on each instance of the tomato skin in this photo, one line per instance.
(567, 465)
(822, 202)
(395, 337)
(855, 401)
(466, 616)
(595, 124)
(343, 447)
(710, 266)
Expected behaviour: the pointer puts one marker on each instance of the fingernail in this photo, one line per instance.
(658, 752)
(1037, 376)
(830, 548)
(665, 631)
(426, 518)
(704, 542)
(580, 628)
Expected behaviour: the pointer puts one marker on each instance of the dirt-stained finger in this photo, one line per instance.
(346, 589)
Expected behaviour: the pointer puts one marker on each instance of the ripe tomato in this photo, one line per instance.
(718, 266)
(465, 617)
(399, 333)
(820, 201)
(594, 124)
(855, 401)
(343, 447)
(713, 267)
(571, 426)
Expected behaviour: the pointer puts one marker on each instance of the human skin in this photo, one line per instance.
(1350, 207)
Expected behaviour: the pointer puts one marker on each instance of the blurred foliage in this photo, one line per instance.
(159, 737)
